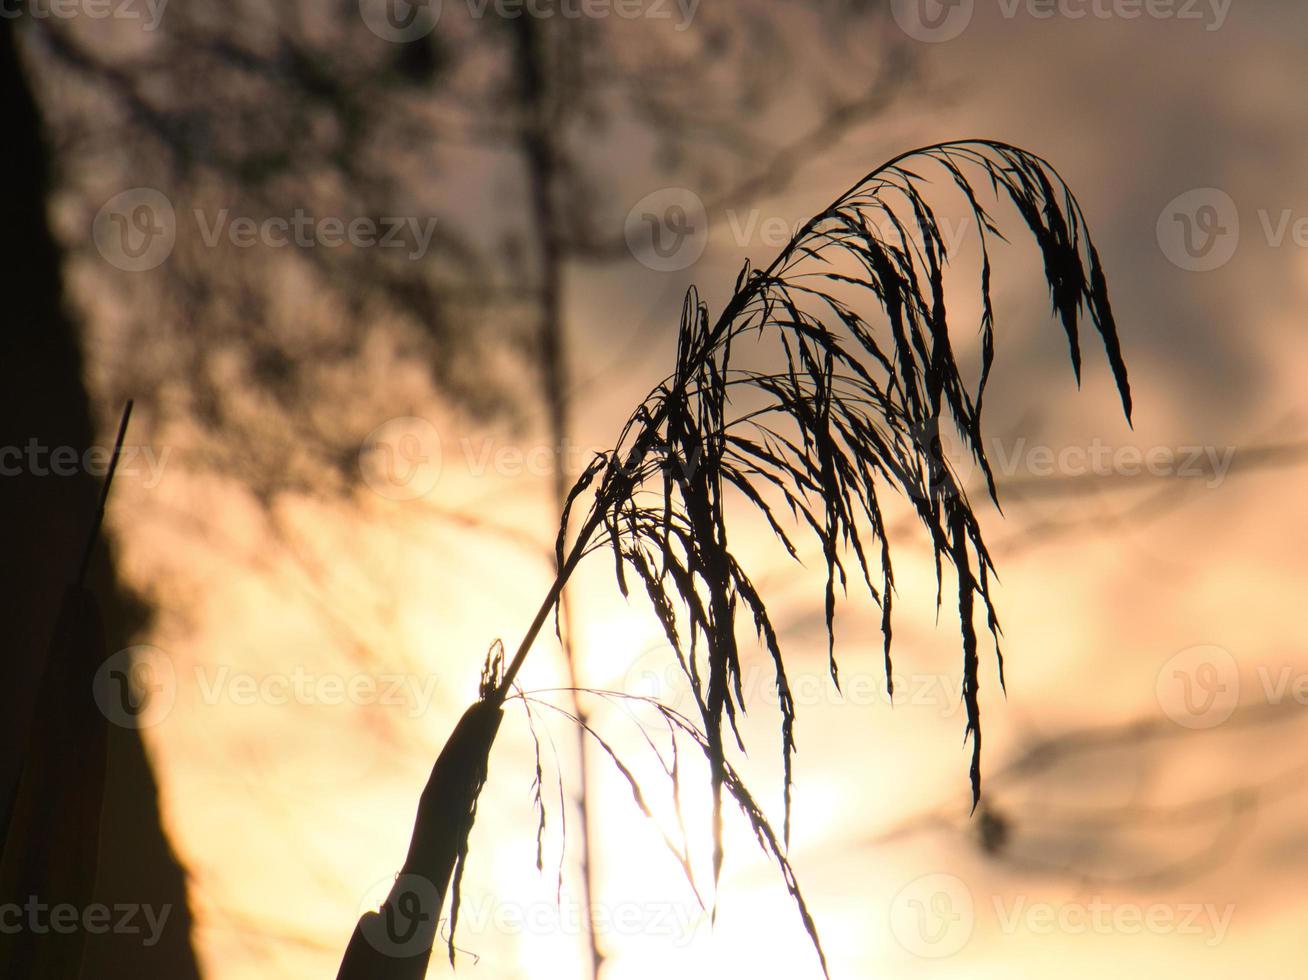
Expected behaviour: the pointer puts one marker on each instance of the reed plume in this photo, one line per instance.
(818, 393)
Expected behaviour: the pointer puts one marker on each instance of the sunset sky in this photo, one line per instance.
(1144, 770)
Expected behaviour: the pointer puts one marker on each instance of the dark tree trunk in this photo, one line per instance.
(46, 519)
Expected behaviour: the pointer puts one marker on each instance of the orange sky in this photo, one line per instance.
(1134, 854)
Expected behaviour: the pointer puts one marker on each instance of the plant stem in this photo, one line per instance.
(551, 597)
